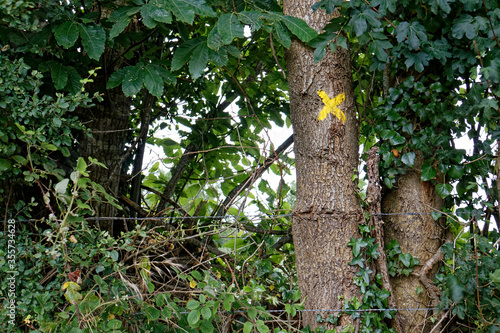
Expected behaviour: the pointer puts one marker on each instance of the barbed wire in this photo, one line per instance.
(323, 310)
(240, 216)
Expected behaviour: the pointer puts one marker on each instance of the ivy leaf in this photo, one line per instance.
(495, 276)
(456, 171)
(378, 47)
(415, 32)
(359, 260)
(360, 20)
(443, 4)
(456, 288)
(384, 6)
(59, 75)
(133, 80)
(328, 5)
(444, 190)
(199, 60)
(428, 172)
(184, 52)
(357, 245)
(408, 159)
(419, 60)
(67, 34)
(464, 25)
(299, 28)
(93, 39)
(438, 49)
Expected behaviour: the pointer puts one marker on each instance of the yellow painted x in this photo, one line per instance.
(331, 106)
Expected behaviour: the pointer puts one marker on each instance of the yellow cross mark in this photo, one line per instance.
(331, 106)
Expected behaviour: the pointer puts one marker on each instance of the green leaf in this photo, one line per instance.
(81, 165)
(230, 28)
(5, 164)
(420, 60)
(456, 171)
(378, 47)
(495, 276)
(299, 28)
(167, 77)
(193, 317)
(228, 301)
(414, 33)
(319, 53)
(89, 303)
(119, 26)
(60, 187)
(153, 13)
(67, 34)
(282, 35)
(206, 312)
(443, 4)
(464, 25)
(206, 326)
(199, 60)
(251, 18)
(219, 57)
(428, 172)
(185, 10)
(247, 327)
(116, 78)
(405, 258)
(93, 39)
(444, 190)
(360, 20)
(252, 313)
(408, 159)
(153, 81)
(59, 75)
(152, 313)
(262, 327)
(192, 304)
(184, 52)
(456, 288)
(133, 80)
(114, 324)
(74, 84)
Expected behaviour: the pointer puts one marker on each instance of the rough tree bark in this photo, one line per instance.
(418, 235)
(327, 210)
(108, 122)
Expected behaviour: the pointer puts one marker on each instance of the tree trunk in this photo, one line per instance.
(327, 210)
(417, 234)
(108, 122)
